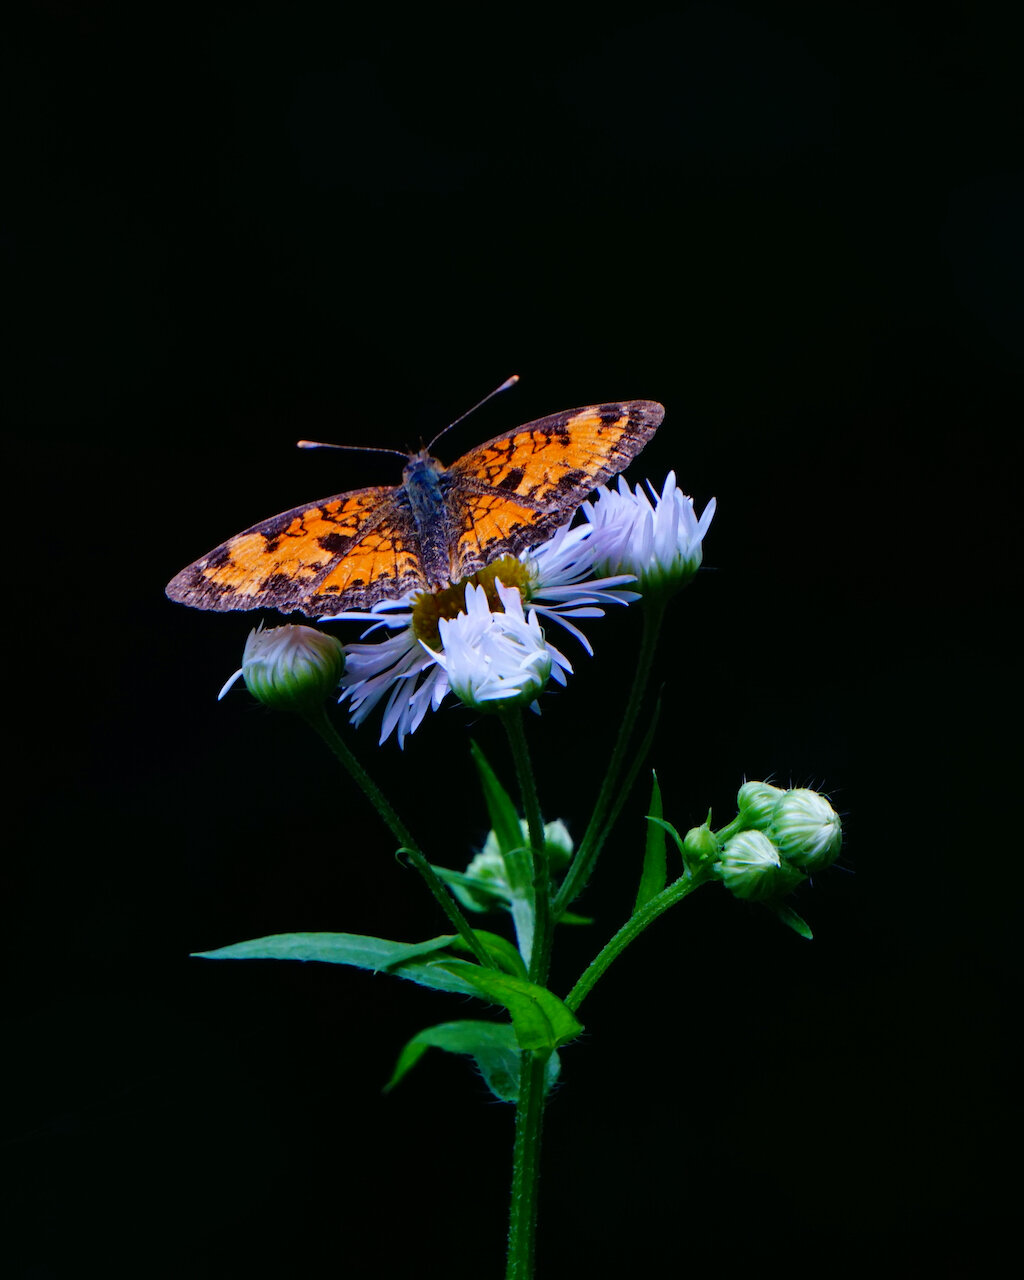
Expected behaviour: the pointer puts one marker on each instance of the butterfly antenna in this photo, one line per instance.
(509, 382)
(354, 448)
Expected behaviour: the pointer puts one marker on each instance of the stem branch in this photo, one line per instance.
(658, 905)
(318, 721)
(597, 829)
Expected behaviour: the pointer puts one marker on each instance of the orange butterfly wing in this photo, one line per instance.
(513, 492)
(344, 552)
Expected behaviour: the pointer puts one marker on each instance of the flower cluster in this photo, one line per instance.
(776, 840)
(482, 639)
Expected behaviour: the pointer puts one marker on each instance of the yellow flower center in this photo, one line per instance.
(428, 608)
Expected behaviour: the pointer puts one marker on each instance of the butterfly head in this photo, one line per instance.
(420, 466)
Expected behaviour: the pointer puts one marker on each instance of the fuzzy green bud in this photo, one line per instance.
(756, 802)
(290, 668)
(750, 867)
(806, 830)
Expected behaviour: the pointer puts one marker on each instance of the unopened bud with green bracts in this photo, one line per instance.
(806, 830)
(750, 867)
(290, 668)
(756, 802)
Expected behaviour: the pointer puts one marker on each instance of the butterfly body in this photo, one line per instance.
(424, 483)
(440, 525)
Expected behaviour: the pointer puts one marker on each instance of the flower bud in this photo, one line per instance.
(700, 845)
(750, 867)
(756, 802)
(806, 829)
(490, 887)
(290, 668)
(557, 842)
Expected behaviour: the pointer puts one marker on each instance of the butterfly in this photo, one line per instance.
(438, 526)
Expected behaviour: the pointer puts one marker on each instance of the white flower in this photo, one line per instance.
(659, 543)
(398, 671)
(397, 668)
(292, 668)
(558, 586)
(496, 657)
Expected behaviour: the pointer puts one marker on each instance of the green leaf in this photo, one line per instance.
(653, 876)
(486, 888)
(792, 919)
(540, 1019)
(492, 1045)
(667, 826)
(356, 949)
(503, 951)
(516, 853)
(500, 808)
(571, 917)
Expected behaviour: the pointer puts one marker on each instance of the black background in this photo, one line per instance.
(797, 226)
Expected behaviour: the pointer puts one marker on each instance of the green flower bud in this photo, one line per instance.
(700, 845)
(750, 867)
(756, 802)
(290, 668)
(806, 829)
(492, 888)
(557, 843)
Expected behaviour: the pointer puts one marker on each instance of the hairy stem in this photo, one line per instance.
(319, 722)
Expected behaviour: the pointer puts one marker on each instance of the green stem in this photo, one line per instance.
(540, 954)
(676, 892)
(597, 829)
(522, 1220)
(318, 721)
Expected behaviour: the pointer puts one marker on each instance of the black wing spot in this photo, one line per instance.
(333, 542)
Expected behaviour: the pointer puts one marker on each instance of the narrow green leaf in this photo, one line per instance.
(540, 1019)
(425, 963)
(654, 873)
(792, 919)
(500, 808)
(484, 887)
(571, 917)
(503, 951)
(667, 826)
(492, 1045)
(356, 949)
